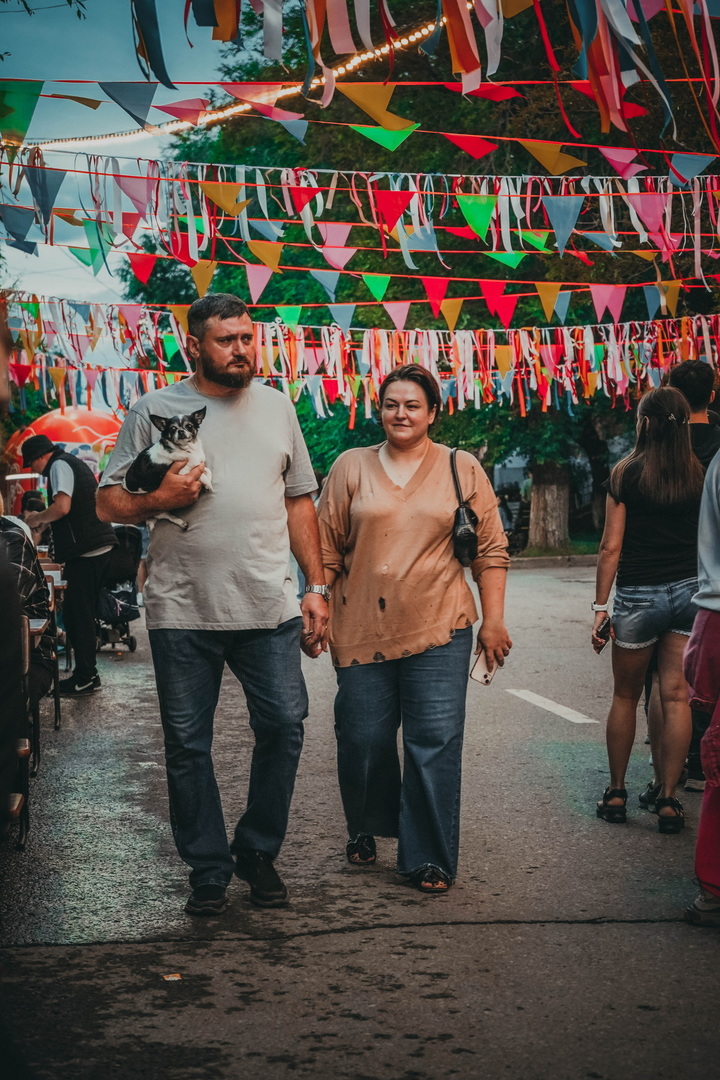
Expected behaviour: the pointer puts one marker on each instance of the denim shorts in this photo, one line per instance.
(643, 613)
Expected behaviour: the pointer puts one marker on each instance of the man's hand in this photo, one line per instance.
(34, 520)
(314, 609)
(178, 491)
(495, 640)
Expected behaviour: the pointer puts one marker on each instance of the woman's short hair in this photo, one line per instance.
(417, 374)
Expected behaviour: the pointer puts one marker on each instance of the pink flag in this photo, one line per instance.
(610, 297)
(338, 256)
(398, 312)
(190, 110)
(138, 189)
(258, 276)
(621, 160)
(650, 208)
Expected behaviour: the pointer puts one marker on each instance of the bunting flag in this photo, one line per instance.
(257, 279)
(191, 109)
(142, 265)
(17, 105)
(267, 252)
(148, 45)
(373, 99)
(389, 139)
(551, 157)
(134, 98)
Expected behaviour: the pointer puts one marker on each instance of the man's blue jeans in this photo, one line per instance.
(188, 671)
(426, 693)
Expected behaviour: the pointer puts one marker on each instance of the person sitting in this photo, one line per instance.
(33, 501)
(34, 600)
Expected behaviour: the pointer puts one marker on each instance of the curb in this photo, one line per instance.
(548, 562)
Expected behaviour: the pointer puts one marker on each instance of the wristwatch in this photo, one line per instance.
(322, 590)
(599, 607)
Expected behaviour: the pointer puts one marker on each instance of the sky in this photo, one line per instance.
(53, 44)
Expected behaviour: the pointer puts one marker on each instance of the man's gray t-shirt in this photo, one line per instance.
(230, 570)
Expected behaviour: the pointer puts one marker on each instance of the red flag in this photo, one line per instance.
(142, 265)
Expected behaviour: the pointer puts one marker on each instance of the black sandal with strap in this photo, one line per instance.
(666, 823)
(361, 850)
(613, 813)
(431, 881)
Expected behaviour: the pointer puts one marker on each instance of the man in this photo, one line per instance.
(221, 593)
(702, 671)
(696, 381)
(82, 542)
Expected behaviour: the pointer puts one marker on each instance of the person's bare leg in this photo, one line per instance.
(677, 720)
(629, 667)
(655, 727)
(142, 575)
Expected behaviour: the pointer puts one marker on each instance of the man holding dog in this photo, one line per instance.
(220, 593)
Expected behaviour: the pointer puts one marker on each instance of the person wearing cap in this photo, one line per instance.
(82, 543)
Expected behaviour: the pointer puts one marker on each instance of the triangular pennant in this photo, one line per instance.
(257, 279)
(290, 315)
(190, 110)
(650, 207)
(267, 252)
(398, 312)
(135, 98)
(684, 167)
(138, 189)
(329, 280)
(17, 105)
(621, 158)
(273, 228)
(44, 185)
(264, 93)
(389, 139)
(373, 99)
(17, 220)
(645, 253)
(450, 310)
(296, 128)
(652, 299)
(563, 212)
(377, 284)
(180, 313)
(507, 258)
(492, 290)
(130, 221)
(342, 314)
(610, 297)
(536, 239)
(338, 256)
(334, 233)
(601, 239)
(100, 239)
(225, 196)
(142, 265)
(301, 196)
(504, 358)
(551, 157)
(478, 211)
(505, 308)
(474, 145)
(671, 290)
(436, 287)
(202, 273)
(561, 306)
(391, 205)
(548, 293)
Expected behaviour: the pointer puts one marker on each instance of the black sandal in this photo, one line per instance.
(616, 815)
(431, 881)
(666, 823)
(361, 851)
(650, 795)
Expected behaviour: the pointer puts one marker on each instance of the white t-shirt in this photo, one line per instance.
(230, 570)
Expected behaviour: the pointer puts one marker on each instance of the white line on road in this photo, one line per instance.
(553, 707)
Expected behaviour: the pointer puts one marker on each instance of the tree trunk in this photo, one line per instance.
(549, 506)
(598, 455)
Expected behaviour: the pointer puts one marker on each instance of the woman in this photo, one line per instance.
(400, 636)
(650, 542)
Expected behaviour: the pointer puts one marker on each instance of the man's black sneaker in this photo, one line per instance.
(266, 885)
(207, 900)
(72, 688)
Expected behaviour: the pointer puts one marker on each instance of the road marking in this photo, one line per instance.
(553, 707)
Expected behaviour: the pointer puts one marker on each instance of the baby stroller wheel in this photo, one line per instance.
(132, 643)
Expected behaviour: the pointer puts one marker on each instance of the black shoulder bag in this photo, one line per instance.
(465, 543)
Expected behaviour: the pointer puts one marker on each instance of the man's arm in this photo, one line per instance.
(305, 546)
(58, 508)
(116, 504)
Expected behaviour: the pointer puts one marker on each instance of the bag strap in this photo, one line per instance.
(453, 466)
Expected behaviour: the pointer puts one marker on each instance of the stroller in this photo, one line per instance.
(117, 603)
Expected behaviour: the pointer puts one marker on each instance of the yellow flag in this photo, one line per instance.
(548, 293)
(504, 358)
(268, 252)
(202, 273)
(225, 196)
(551, 157)
(373, 99)
(180, 312)
(450, 311)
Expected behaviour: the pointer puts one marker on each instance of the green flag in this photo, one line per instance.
(18, 99)
(389, 139)
(477, 211)
(289, 315)
(377, 284)
(507, 258)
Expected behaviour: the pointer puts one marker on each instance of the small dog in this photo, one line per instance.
(179, 441)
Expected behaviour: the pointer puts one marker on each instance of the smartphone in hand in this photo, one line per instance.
(480, 671)
(603, 631)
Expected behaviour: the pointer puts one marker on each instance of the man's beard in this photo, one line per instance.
(237, 380)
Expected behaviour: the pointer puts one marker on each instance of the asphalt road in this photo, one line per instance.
(560, 953)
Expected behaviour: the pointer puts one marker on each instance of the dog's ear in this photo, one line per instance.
(160, 422)
(198, 417)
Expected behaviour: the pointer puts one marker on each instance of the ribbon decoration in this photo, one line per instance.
(532, 367)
